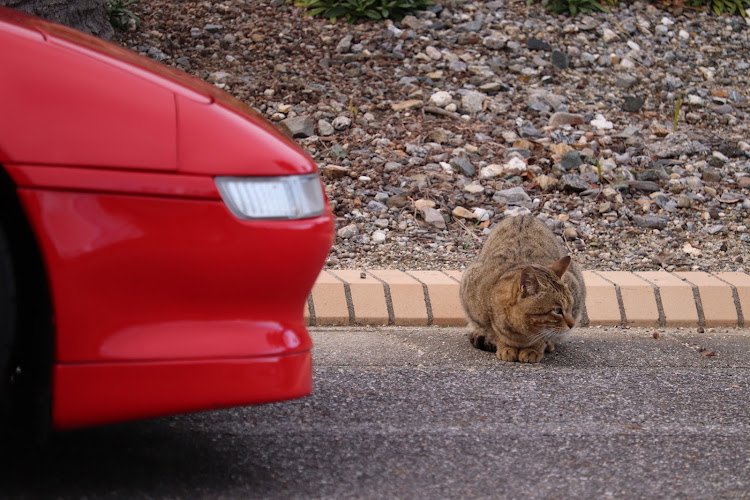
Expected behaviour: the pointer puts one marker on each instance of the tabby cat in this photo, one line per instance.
(523, 293)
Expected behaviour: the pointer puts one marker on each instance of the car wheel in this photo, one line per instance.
(7, 326)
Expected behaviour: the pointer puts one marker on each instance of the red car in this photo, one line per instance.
(158, 239)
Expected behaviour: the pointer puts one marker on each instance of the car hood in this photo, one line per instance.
(77, 100)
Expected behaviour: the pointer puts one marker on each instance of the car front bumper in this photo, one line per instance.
(166, 303)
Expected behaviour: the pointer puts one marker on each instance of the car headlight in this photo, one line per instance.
(287, 197)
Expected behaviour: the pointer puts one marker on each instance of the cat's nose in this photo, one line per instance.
(569, 320)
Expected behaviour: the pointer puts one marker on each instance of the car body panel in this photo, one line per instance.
(111, 392)
(137, 278)
(81, 112)
(217, 140)
(163, 300)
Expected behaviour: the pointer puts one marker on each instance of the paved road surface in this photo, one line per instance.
(418, 413)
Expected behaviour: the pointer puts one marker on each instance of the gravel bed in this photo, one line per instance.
(429, 130)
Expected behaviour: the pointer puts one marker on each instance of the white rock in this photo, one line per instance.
(609, 36)
(690, 250)
(219, 77)
(601, 123)
(515, 166)
(342, 122)
(720, 156)
(633, 45)
(626, 63)
(433, 53)
(474, 188)
(421, 204)
(510, 136)
(684, 35)
(441, 99)
(491, 171)
(473, 102)
(379, 237)
(707, 73)
(481, 214)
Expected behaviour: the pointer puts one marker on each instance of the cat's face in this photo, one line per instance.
(543, 309)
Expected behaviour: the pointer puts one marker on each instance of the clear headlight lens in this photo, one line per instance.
(287, 197)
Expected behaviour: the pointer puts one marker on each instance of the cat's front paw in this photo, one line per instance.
(507, 353)
(530, 356)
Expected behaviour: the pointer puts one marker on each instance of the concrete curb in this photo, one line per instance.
(423, 298)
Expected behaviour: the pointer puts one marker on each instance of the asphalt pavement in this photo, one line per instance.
(418, 413)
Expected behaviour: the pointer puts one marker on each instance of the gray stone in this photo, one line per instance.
(711, 175)
(633, 104)
(463, 164)
(559, 60)
(392, 166)
(537, 44)
(512, 196)
(573, 183)
(213, 28)
(344, 44)
(671, 83)
(376, 207)
(651, 221)
(348, 232)
(325, 128)
(571, 160)
(653, 174)
(473, 102)
(470, 27)
(298, 126)
(342, 122)
(433, 217)
(338, 151)
(562, 119)
(731, 150)
(529, 131)
(625, 81)
(676, 144)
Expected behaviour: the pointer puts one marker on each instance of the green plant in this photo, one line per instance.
(575, 6)
(120, 15)
(721, 7)
(353, 10)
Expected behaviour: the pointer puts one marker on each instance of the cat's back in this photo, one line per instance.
(522, 239)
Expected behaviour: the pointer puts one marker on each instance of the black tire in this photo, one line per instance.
(7, 326)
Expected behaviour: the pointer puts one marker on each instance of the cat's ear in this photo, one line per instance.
(529, 283)
(560, 266)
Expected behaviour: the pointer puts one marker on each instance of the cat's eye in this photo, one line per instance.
(557, 310)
